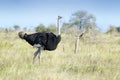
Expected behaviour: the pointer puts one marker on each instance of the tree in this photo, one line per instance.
(83, 20)
(25, 28)
(51, 28)
(16, 27)
(112, 29)
(118, 29)
(40, 28)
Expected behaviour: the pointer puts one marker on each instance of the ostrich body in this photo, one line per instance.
(48, 41)
(42, 41)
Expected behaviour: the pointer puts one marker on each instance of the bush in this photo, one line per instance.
(40, 28)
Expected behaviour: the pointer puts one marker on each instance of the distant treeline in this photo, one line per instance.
(80, 20)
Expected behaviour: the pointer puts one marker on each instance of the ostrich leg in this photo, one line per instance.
(35, 54)
(39, 54)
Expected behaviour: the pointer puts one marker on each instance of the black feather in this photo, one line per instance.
(47, 40)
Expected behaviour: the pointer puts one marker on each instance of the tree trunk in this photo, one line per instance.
(77, 42)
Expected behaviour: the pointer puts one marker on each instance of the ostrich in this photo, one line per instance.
(42, 40)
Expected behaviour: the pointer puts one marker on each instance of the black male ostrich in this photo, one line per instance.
(42, 40)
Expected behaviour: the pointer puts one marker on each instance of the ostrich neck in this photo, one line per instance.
(59, 31)
(58, 24)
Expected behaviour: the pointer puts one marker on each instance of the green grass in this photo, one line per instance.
(94, 61)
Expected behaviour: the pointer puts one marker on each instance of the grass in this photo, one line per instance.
(94, 61)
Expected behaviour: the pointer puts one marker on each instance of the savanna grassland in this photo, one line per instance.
(95, 60)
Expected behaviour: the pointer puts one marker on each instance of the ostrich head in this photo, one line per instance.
(21, 34)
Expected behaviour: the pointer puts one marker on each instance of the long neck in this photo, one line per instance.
(59, 30)
(58, 25)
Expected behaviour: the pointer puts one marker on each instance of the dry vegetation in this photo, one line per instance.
(98, 60)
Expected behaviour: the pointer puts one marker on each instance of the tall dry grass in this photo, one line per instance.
(98, 60)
